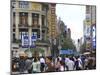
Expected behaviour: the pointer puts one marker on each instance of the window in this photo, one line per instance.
(13, 30)
(13, 4)
(25, 31)
(53, 5)
(88, 9)
(43, 20)
(14, 37)
(43, 35)
(23, 18)
(14, 18)
(23, 4)
(44, 7)
(52, 11)
(35, 19)
(36, 31)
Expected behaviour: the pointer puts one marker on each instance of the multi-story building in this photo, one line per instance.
(62, 28)
(69, 33)
(52, 21)
(93, 28)
(89, 22)
(32, 18)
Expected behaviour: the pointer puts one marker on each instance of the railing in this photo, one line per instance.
(42, 42)
(16, 41)
(35, 26)
(23, 25)
(44, 27)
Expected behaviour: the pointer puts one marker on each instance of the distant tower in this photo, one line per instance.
(69, 33)
(78, 45)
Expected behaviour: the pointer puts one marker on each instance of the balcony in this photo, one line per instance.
(43, 42)
(23, 25)
(35, 26)
(44, 27)
(17, 41)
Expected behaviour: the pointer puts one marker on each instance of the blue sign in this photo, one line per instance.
(25, 41)
(28, 41)
(33, 39)
(94, 44)
(66, 51)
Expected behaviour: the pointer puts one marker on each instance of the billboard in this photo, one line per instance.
(36, 6)
(94, 37)
(25, 40)
(28, 41)
(32, 40)
(68, 51)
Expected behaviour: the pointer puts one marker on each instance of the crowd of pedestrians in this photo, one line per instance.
(46, 64)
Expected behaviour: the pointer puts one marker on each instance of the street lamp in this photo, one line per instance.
(59, 48)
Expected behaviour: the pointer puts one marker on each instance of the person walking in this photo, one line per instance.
(62, 66)
(90, 62)
(57, 65)
(42, 62)
(70, 64)
(29, 65)
(66, 61)
(50, 65)
(78, 65)
(86, 63)
(22, 63)
(36, 65)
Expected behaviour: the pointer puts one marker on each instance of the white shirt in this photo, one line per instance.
(42, 60)
(66, 59)
(80, 61)
(61, 68)
(36, 66)
(70, 65)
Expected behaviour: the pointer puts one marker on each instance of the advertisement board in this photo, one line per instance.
(94, 36)
(36, 6)
(25, 40)
(28, 41)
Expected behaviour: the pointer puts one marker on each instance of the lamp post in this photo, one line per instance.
(54, 42)
(59, 48)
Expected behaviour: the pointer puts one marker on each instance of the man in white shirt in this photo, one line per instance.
(70, 64)
(42, 61)
(66, 61)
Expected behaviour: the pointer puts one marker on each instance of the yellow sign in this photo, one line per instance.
(93, 21)
(88, 22)
(36, 6)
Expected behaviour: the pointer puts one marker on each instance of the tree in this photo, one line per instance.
(68, 44)
(83, 47)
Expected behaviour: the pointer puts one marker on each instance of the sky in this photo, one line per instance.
(72, 16)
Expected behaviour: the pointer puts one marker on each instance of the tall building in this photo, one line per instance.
(93, 28)
(52, 21)
(62, 28)
(69, 33)
(89, 22)
(32, 18)
(79, 44)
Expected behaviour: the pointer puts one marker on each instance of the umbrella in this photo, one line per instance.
(86, 53)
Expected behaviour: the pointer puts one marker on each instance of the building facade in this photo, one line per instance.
(52, 21)
(89, 22)
(32, 18)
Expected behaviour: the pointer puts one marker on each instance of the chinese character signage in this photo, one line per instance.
(36, 6)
